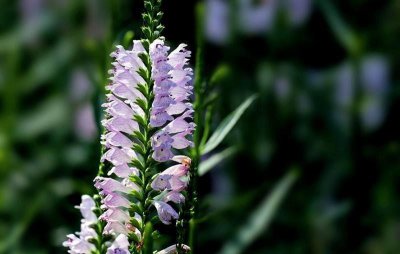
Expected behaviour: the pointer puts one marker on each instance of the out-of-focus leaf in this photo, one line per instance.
(214, 160)
(19, 229)
(226, 125)
(260, 218)
(48, 66)
(27, 32)
(345, 35)
(221, 73)
(49, 115)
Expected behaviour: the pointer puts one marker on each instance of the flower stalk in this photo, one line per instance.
(148, 120)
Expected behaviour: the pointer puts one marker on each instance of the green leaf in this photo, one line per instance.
(226, 125)
(214, 160)
(135, 179)
(136, 223)
(133, 237)
(148, 239)
(139, 149)
(346, 36)
(260, 219)
(140, 120)
(138, 135)
(136, 208)
(142, 104)
(137, 164)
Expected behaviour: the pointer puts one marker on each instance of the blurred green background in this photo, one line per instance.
(328, 99)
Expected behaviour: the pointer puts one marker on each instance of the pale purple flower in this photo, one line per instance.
(171, 182)
(175, 197)
(123, 171)
(79, 243)
(115, 227)
(119, 246)
(116, 139)
(114, 200)
(86, 207)
(121, 124)
(119, 156)
(165, 212)
(108, 185)
(115, 215)
(163, 153)
(171, 179)
(171, 90)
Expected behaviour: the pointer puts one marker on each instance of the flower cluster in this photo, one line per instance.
(81, 242)
(170, 108)
(172, 111)
(171, 182)
(120, 125)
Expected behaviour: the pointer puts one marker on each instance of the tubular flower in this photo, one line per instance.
(171, 182)
(79, 243)
(120, 125)
(172, 113)
(171, 108)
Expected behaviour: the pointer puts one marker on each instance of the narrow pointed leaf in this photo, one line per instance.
(226, 125)
(260, 219)
(214, 160)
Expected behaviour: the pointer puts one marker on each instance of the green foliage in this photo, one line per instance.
(226, 126)
(260, 218)
(215, 159)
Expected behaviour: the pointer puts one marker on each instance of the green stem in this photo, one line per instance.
(151, 31)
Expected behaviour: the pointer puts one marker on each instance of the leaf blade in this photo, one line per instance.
(227, 125)
(211, 162)
(260, 219)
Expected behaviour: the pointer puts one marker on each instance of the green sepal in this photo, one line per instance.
(143, 73)
(142, 104)
(156, 34)
(136, 208)
(134, 238)
(143, 89)
(137, 164)
(149, 189)
(156, 234)
(155, 219)
(135, 179)
(148, 202)
(160, 28)
(140, 120)
(145, 59)
(92, 240)
(159, 15)
(137, 195)
(146, 18)
(146, 44)
(107, 237)
(146, 31)
(97, 210)
(139, 149)
(148, 5)
(137, 224)
(138, 135)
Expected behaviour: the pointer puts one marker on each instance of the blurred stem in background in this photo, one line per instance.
(200, 110)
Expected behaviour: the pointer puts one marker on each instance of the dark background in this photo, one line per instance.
(328, 92)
